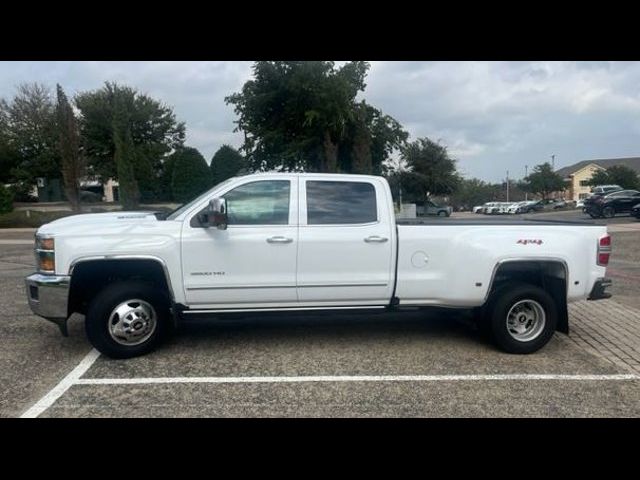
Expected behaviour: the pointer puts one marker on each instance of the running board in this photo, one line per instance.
(281, 310)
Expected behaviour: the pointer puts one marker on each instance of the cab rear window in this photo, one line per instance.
(339, 203)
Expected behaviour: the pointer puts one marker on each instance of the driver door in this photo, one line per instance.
(252, 263)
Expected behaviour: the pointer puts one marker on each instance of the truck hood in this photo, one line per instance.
(97, 222)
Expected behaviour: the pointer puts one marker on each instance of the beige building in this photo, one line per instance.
(578, 174)
(577, 188)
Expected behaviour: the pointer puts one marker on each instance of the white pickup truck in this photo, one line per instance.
(285, 241)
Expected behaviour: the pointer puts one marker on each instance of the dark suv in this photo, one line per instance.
(609, 205)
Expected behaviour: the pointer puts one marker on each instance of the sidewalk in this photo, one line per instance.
(17, 236)
(624, 227)
(607, 329)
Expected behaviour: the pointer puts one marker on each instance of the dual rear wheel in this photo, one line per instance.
(520, 318)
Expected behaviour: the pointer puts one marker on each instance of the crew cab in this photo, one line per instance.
(289, 242)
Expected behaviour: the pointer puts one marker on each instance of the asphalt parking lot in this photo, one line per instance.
(342, 366)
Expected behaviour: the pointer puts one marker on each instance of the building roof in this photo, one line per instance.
(631, 162)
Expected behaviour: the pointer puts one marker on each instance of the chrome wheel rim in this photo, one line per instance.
(132, 322)
(526, 320)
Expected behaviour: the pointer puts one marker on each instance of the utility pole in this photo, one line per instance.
(526, 174)
(553, 162)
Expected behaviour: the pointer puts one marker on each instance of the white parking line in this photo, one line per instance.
(350, 378)
(74, 378)
(56, 392)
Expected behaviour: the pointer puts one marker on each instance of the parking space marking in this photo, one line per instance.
(67, 382)
(352, 378)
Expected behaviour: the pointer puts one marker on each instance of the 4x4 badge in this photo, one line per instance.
(523, 241)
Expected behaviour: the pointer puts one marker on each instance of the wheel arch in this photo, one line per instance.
(550, 274)
(89, 275)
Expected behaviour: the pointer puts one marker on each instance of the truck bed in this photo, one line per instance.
(497, 220)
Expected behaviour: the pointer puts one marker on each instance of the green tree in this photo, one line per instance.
(166, 177)
(28, 138)
(191, 174)
(125, 157)
(621, 175)
(153, 129)
(226, 163)
(542, 181)
(472, 192)
(431, 171)
(6, 199)
(304, 116)
(8, 158)
(599, 177)
(69, 146)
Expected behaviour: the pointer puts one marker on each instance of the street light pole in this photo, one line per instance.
(526, 174)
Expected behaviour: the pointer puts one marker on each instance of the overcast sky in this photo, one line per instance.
(493, 116)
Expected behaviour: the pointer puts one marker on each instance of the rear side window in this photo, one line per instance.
(330, 203)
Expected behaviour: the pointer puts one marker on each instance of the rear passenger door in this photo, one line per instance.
(345, 243)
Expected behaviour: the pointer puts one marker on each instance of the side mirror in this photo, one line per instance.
(217, 213)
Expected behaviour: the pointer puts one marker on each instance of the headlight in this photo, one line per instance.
(45, 255)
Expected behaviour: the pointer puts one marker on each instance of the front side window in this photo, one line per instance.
(331, 203)
(259, 203)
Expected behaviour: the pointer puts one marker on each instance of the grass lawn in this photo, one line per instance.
(19, 219)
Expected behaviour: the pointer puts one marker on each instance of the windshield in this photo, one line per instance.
(183, 208)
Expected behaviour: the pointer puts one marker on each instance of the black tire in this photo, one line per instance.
(102, 306)
(442, 213)
(608, 212)
(495, 321)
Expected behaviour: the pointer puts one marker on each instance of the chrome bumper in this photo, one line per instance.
(48, 295)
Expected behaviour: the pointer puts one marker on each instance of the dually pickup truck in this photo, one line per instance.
(285, 241)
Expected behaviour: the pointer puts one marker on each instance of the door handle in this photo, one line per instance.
(375, 239)
(279, 240)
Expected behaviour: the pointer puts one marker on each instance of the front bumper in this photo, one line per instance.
(598, 291)
(48, 295)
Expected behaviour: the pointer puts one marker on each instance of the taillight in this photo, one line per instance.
(604, 250)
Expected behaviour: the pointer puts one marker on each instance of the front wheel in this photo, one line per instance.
(521, 318)
(127, 319)
(608, 212)
(442, 213)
